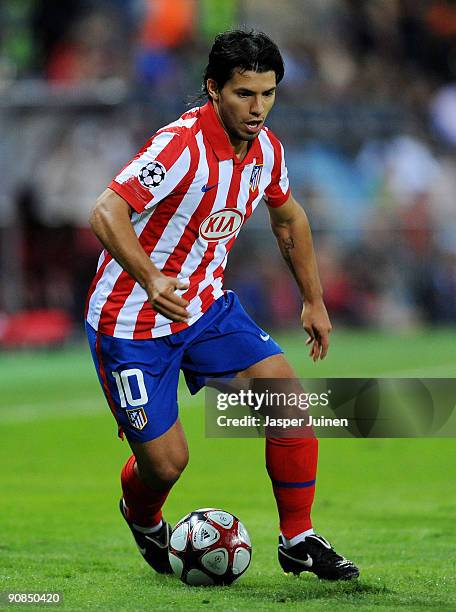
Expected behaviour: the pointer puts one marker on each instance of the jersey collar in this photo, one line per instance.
(218, 138)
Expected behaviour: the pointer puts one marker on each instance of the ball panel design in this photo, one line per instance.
(241, 560)
(196, 577)
(180, 536)
(243, 534)
(216, 561)
(203, 535)
(176, 564)
(224, 519)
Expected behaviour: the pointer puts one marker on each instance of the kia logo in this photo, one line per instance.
(221, 224)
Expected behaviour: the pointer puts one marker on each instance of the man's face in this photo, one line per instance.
(244, 102)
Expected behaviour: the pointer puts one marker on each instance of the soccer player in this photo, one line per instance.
(157, 303)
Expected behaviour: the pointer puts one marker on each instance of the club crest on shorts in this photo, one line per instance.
(255, 176)
(137, 417)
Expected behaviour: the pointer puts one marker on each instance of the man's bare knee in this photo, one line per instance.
(162, 474)
(161, 461)
(275, 366)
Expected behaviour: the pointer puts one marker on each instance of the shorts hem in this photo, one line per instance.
(149, 439)
(194, 388)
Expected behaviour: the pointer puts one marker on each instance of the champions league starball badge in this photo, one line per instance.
(152, 175)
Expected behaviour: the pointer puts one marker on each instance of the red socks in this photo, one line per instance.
(143, 504)
(292, 467)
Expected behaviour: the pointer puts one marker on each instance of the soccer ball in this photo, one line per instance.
(152, 175)
(209, 546)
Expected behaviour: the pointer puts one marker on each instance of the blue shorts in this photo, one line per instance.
(140, 377)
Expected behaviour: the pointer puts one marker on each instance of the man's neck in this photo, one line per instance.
(240, 150)
(240, 147)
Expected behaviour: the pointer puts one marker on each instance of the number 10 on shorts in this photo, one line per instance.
(125, 392)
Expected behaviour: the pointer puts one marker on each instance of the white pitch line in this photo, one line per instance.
(22, 413)
(437, 371)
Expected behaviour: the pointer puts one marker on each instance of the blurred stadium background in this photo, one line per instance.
(367, 114)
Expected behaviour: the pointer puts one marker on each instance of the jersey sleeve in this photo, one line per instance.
(278, 190)
(154, 172)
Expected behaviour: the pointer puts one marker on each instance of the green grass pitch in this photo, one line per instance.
(390, 505)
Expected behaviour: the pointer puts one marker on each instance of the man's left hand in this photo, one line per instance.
(316, 322)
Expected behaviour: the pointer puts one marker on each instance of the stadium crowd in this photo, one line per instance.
(367, 111)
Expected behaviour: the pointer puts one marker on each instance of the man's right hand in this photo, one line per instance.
(161, 291)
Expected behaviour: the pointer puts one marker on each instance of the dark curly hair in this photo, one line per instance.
(242, 50)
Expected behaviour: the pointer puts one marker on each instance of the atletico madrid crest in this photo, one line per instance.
(255, 176)
(137, 418)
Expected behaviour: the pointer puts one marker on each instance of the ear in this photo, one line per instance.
(212, 89)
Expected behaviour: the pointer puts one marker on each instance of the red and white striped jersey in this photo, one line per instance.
(190, 197)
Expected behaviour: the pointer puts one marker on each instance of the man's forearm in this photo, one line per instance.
(111, 224)
(295, 243)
